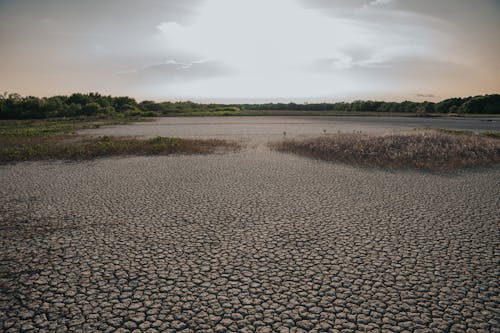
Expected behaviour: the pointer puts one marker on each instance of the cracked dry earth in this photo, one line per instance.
(254, 241)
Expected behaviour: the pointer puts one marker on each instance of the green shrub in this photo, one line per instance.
(491, 134)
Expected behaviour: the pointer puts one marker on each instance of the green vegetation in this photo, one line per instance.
(56, 139)
(488, 134)
(454, 131)
(419, 149)
(14, 106)
(491, 134)
(43, 128)
(488, 104)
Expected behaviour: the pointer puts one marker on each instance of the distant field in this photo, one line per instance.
(320, 113)
(257, 129)
(288, 113)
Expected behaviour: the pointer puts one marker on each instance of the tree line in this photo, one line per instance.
(15, 106)
(487, 104)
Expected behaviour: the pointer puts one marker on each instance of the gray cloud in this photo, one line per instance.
(86, 42)
(172, 71)
(381, 2)
(448, 47)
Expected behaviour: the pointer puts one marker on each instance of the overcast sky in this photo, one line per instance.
(251, 50)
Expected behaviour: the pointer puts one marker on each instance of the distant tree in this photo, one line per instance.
(150, 106)
(120, 102)
(91, 109)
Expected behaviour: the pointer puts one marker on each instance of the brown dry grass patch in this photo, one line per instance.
(77, 148)
(31, 140)
(422, 149)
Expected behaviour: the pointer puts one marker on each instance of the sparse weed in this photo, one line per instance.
(174, 142)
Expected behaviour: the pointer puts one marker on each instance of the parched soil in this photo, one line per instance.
(248, 241)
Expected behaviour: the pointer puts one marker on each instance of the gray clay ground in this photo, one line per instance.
(267, 128)
(248, 241)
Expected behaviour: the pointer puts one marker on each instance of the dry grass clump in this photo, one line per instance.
(47, 139)
(79, 149)
(422, 149)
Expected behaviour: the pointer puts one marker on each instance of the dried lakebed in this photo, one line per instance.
(248, 241)
(262, 129)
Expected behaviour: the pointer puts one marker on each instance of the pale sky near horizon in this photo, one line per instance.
(251, 50)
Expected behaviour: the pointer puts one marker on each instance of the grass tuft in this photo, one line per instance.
(491, 134)
(422, 149)
(454, 131)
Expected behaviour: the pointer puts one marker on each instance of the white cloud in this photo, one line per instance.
(271, 46)
(180, 65)
(381, 2)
